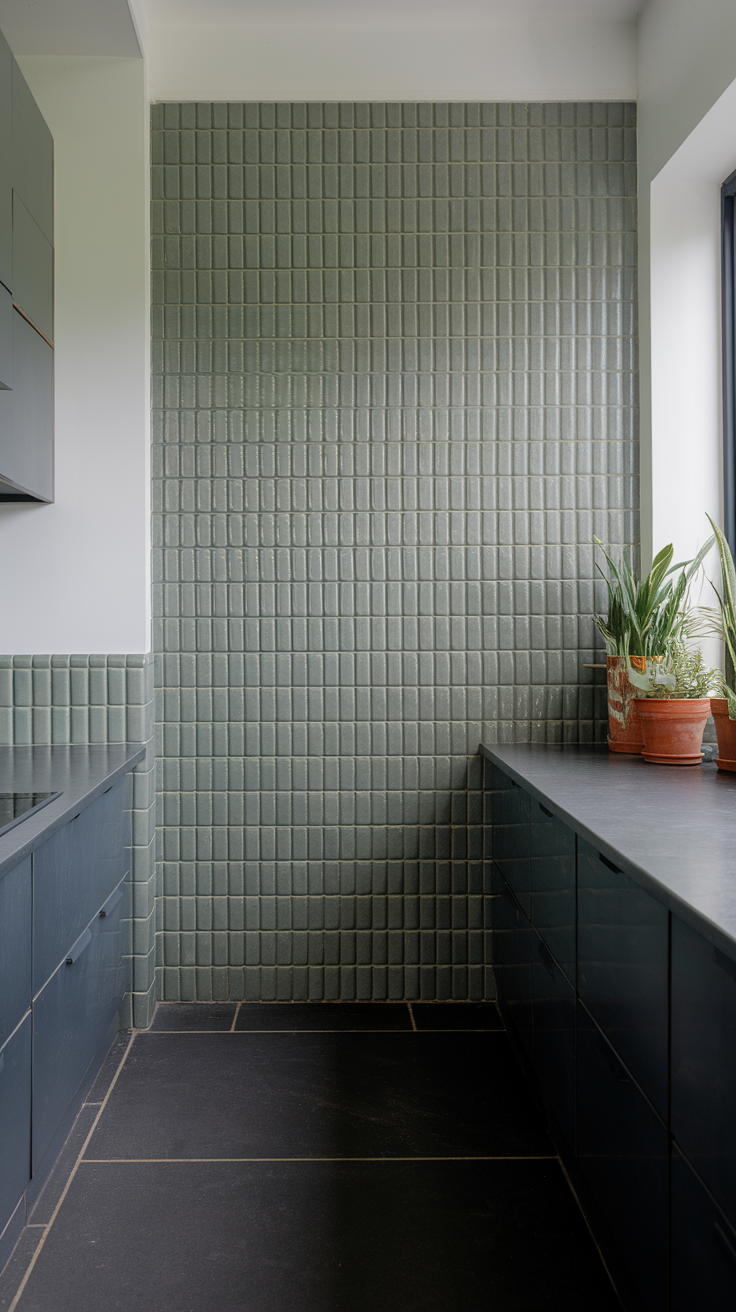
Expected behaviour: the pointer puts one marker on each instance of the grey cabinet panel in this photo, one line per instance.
(704, 1061)
(622, 1152)
(73, 874)
(15, 1119)
(27, 417)
(622, 968)
(511, 852)
(33, 156)
(71, 1016)
(6, 339)
(554, 1036)
(6, 162)
(512, 961)
(33, 269)
(15, 918)
(552, 847)
(703, 1246)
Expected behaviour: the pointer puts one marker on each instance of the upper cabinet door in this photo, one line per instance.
(6, 162)
(33, 269)
(33, 157)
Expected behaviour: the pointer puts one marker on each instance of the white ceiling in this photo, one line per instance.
(68, 27)
(371, 11)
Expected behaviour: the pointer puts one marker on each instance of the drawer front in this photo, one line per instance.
(552, 846)
(71, 1016)
(622, 1152)
(15, 918)
(511, 811)
(622, 968)
(73, 873)
(15, 1119)
(704, 1061)
(554, 1036)
(703, 1246)
(512, 960)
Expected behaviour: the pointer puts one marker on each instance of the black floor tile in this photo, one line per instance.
(207, 1016)
(457, 1016)
(319, 1237)
(319, 1095)
(43, 1208)
(14, 1270)
(323, 1016)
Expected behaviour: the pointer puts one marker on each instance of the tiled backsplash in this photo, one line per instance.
(97, 699)
(394, 401)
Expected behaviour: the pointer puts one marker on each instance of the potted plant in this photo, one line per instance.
(674, 712)
(722, 622)
(645, 620)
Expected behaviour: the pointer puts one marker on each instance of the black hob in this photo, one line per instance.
(15, 807)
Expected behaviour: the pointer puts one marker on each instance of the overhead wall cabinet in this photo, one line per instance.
(26, 291)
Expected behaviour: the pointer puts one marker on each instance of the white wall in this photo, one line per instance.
(687, 146)
(504, 60)
(76, 575)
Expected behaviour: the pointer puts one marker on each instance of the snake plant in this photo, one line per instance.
(648, 619)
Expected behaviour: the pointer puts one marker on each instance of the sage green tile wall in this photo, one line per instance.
(394, 401)
(62, 700)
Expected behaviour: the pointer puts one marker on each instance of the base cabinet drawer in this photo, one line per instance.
(15, 1118)
(72, 875)
(15, 919)
(622, 968)
(554, 1036)
(703, 1246)
(511, 841)
(622, 1152)
(71, 1016)
(512, 961)
(553, 885)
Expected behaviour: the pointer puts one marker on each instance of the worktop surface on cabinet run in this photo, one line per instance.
(81, 773)
(670, 828)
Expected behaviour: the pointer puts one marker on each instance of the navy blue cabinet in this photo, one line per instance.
(552, 860)
(15, 1118)
(703, 1246)
(554, 1036)
(512, 961)
(15, 919)
(622, 1153)
(622, 968)
(704, 1060)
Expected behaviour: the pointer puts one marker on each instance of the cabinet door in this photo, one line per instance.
(622, 1152)
(27, 417)
(703, 1246)
(33, 157)
(554, 1036)
(6, 339)
(704, 1061)
(6, 163)
(622, 968)
(511, 841)
(15, 1119)
(33, 269)
(552, 847)
(15, 918)
(512, 961)
(72, 1015)
(73, 873)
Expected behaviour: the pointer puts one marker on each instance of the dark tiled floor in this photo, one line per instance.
(337, 1161)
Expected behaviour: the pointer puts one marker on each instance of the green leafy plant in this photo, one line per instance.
(648, 619)
(722, 622)
(683, 673)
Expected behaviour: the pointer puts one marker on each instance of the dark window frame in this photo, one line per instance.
(728, 310)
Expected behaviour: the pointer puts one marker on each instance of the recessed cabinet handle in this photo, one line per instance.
(111, 903)
(82, 942)
(546, 812)
(616, 869)
(725, 1243)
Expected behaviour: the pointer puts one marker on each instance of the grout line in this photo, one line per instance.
(143, 1161)
(74, 1170)
(235, 1018)
(411, 1017)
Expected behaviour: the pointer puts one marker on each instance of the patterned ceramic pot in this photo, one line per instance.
(625, 733)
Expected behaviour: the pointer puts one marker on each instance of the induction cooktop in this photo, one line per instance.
(15, 807)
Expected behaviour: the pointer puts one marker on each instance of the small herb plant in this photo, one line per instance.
(650, 618)
(682, 674)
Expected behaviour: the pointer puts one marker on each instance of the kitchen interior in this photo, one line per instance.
(352, 955)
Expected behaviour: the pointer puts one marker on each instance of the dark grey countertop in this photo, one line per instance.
(671, 828)
(81, 773)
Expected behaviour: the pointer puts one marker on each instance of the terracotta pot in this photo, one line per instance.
(625, 733)
(673, 728)
(726, 731)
